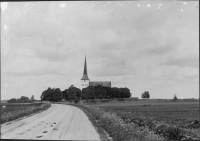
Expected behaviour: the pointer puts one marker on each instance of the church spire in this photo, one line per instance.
(85, 76)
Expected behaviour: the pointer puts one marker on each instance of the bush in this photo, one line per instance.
(23, 99)
(120, 99)
(173, 133)
(135, 98)
(106, 100)
(193, 124)
(168, 131)
(93, 101)
(76, 100)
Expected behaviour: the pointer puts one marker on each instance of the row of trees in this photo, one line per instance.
(91, 92)
(99, 92)
(50, 94)
(23, 99)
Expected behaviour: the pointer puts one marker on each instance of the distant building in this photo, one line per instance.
(85, 81)
(103, 83)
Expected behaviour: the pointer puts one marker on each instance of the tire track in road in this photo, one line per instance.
(54, 128)
(65, 129)
(14, 129)
(43, 124)
(28, 119)
(66, 119)
(83, 132)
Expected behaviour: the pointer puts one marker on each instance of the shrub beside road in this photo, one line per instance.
(172, 120)
(159, 120)
(117, 128)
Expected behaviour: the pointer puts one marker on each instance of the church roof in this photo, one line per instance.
(85, 76)
(103, 83)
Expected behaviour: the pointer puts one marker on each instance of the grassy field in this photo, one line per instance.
(164, 111)
(12, 111)
(156, 109)
(158, 115)
(11, 107)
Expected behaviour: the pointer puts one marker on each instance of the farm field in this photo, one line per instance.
(158, 115)
(11, 107)
(12, 111)
(157, 109)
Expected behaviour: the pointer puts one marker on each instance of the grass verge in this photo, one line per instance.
(103, 134)
(115, 126)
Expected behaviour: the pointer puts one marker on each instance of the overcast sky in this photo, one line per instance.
(141, 45)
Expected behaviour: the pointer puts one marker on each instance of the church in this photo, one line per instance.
(85, 81)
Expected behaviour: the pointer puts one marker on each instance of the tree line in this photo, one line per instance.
(22, 99)
(91, 92)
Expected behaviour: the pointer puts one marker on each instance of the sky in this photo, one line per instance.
(142, 45)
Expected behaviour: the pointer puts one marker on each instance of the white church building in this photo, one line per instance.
(85, 81)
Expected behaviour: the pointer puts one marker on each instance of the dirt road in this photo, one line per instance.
(60, 122)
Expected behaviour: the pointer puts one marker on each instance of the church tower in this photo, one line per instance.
(85, 80)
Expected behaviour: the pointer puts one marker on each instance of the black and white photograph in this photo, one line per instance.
(100, 70)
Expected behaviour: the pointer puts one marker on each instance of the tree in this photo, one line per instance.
(100, 92)
(24, 99)
(57, 95)
(65, 94)
(54, 95)
(115, 92)
(125, 93)
(32, 98)
(145, 94)
(175, 97)
(73, 93)
(13, 100)
(88, 93)
(107, 92)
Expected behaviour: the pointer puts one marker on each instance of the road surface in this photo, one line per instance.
(59, 122)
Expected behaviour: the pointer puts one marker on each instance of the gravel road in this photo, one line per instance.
(59, 122)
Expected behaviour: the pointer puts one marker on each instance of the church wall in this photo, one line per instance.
(84, 83)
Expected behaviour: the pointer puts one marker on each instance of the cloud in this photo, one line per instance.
(158, 50)
(191, 61)
(142, 48)
(34, 73)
